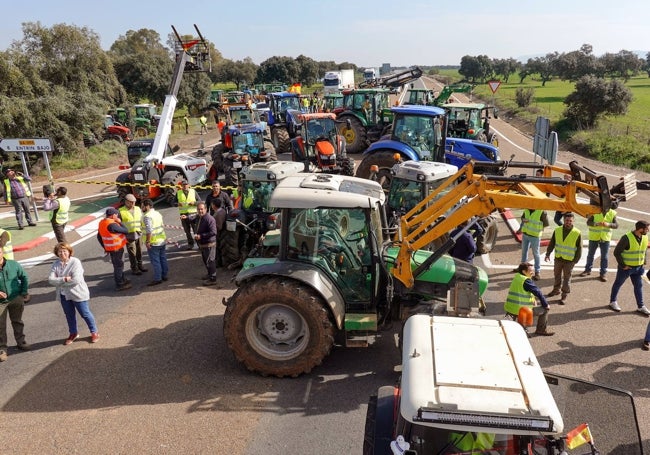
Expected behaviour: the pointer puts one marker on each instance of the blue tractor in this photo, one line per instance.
(278, 119)
(418, 133)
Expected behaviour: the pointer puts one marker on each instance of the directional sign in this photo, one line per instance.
(26, 145)
(494, 86)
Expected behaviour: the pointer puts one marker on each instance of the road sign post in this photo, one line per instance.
(23, 146)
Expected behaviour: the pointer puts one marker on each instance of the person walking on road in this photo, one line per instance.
(187, 199)
(522, 293)
(567, 243)
(533, 223)
(14, 294)
(600, 236)
(58, 204)
(112, 236)
(17, 193)
(630, 254)
(67, 276)
(206, 237)
(155, 241)
(131, 216)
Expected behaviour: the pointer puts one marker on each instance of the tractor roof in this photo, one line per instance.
(464, 105)
(271, 170)
(465, 374)
(315, 116)
(416, 109)
(429, 171)
(306, 191)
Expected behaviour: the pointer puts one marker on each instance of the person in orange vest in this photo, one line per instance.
(112, 236)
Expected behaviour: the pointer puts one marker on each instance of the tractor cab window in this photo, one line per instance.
(137, 151)
(242, 116)
(256, 195)
(337, 241)
(289, 103)
(423, 134)
(247, 142)
(474, 119)
(404, 195)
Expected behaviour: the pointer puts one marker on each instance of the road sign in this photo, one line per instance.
(26, 145)
(494, 86)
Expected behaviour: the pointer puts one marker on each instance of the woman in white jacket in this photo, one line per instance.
(67, 275)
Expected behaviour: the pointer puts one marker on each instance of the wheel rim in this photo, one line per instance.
(277, 332)
(349, 135)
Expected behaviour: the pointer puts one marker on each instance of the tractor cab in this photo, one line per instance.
(471, 121)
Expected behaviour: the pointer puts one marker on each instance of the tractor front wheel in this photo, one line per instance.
(174, 180)
(486, 241)
(384, 160)
(278, 326)
(280, 139)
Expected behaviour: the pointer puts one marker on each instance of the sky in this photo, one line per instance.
(366, 33)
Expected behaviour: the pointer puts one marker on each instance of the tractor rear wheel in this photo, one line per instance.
(280, 139)
(385, 160)
(486, 241)
(174, 179)
(355, 136)
(269, 148)
(230, 251)
(347, 167)
(141, 131)
(278, 326)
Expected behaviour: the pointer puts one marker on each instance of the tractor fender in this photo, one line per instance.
(398, 147)
(304, 273)
(124, 177)
(345, 114)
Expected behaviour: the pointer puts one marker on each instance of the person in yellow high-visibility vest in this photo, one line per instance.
(17, 193)
(600, 236)
(58, 204)
(131, 216)
(470, 442)
(522, 293)
(630, 253)
(567, 243)
(5, 244)
(187, 199)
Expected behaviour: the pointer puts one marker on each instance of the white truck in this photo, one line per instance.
(475, 386)
(370, 74)
(335, 81)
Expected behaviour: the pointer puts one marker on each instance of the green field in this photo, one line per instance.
(622, 140)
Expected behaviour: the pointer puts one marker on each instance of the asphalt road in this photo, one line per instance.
(162, 380)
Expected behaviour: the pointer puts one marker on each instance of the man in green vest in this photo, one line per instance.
(567, 243)
(131, 216)
(58, 204)
(600, 236)
(533, 223)
(187, 199)
(522, 293)
(630, 253)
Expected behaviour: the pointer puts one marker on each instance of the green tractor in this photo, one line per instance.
(333, 101)
(368, 112)
(471, 121)
(146, 119)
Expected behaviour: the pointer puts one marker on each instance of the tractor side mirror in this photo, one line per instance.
(495, 112)
(176, 148)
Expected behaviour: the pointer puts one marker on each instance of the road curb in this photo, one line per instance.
(76, 224)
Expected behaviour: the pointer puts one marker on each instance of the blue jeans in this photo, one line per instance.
(158, 259)
(528, 241)
(83, 308)
(647, 334)
(604, 251)
(633, 273)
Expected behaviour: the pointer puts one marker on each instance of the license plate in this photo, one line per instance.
(236, 164)
(231, 226)
(139, 177)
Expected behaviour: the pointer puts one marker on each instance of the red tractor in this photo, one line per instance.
(318, 144)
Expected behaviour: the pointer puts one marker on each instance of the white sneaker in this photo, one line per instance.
(644, 310)
(614, 306)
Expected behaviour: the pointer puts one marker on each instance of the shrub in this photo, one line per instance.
(524, 96)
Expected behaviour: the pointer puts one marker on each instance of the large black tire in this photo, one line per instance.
(174, 178)
(217, 157)
(271, 154)
(278, 326)
(141, 132)
(486, 241)
(122, 191)
(385, 160)
(347, 167)
(482, 136)
(356, 136)
(280, 139)
(230, 174)
(230, 251)
(379, 422)
(493, 139)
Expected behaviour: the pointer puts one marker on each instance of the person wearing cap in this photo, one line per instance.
(155, 241)
(112, 236)
(58, 204)
(17, 193)
(187, 199)
(567, 243)
(131, 216)
(630, 254)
